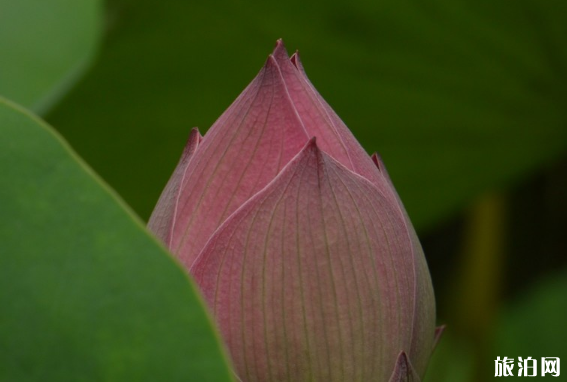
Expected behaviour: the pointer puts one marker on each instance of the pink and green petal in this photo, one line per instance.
(309, 279)
(163, 218)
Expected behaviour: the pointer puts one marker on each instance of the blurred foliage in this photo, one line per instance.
(457, 96)
(44, 47)
(462, 98)
(534, 325)
(86, 293)
(508, 299)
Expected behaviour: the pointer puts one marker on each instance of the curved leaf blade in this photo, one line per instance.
(45, 46)
(85, 293)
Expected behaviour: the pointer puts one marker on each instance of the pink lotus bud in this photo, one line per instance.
(298, 240)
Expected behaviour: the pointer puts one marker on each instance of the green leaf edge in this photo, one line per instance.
(128, 211)
(50, 98)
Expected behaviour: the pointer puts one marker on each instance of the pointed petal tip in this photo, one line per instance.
(311, 153)
(312, 142)
(438, 334)
(312, 147)
(379, 163)
(271, 62)
(296, 61)
(403, 370)
(376, 159)
(195, 134)
(193, 141)
(280, 52)
(277, 54)
(162, 220)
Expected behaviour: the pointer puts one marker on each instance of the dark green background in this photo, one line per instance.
(465, 101)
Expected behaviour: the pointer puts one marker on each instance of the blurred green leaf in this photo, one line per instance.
(45, 46)
(458, 96)
(534, 326)
(85, 293)
(531, 326)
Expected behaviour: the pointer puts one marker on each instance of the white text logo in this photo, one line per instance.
(527, 367)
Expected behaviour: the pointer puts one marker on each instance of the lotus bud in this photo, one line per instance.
(298, 240)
